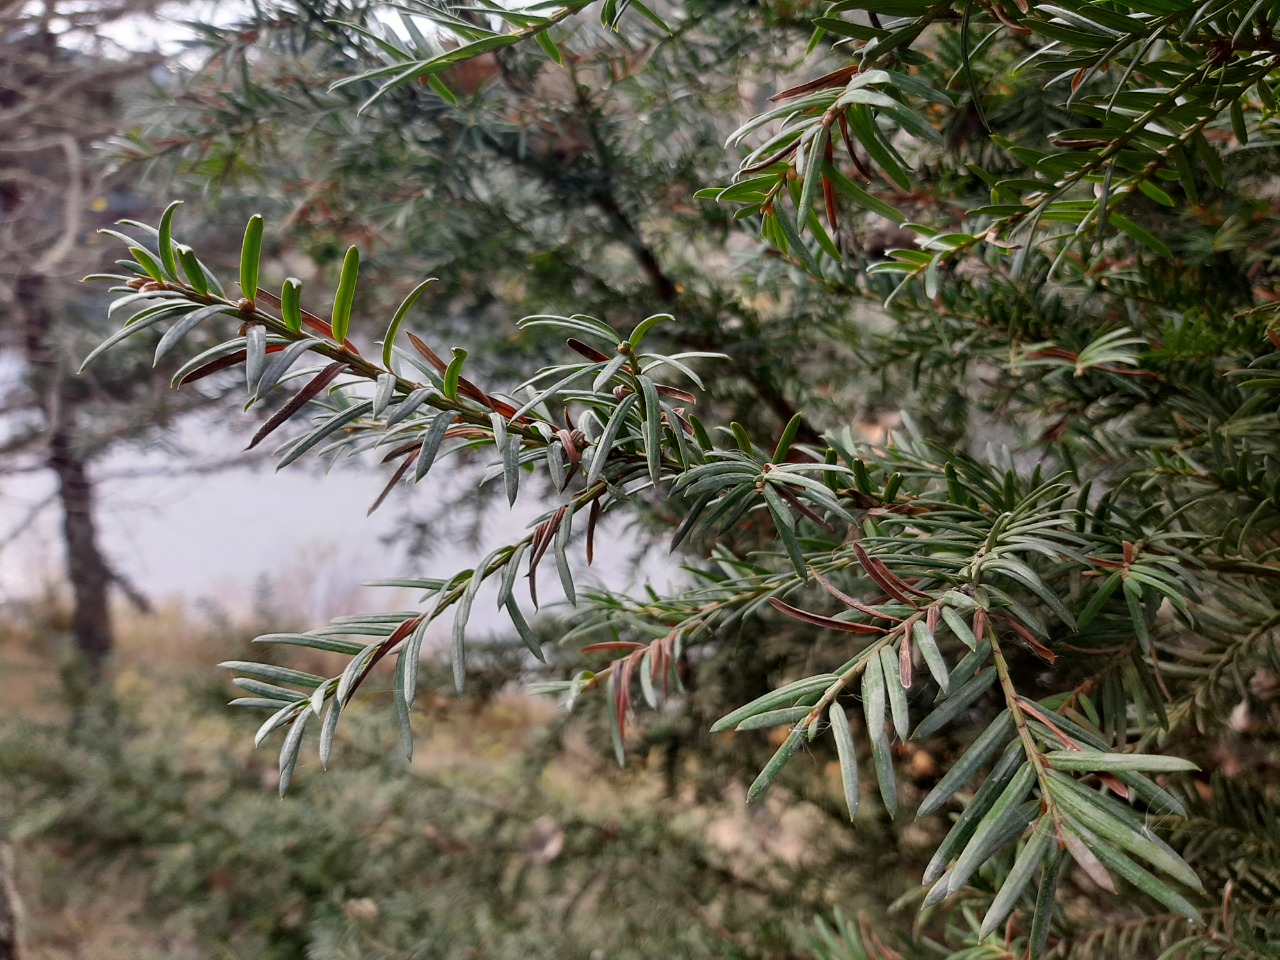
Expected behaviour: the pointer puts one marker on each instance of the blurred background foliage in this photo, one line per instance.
(154, 830)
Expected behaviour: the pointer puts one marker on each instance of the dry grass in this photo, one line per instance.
(29, 685)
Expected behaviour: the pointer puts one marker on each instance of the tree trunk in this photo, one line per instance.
(87, 571)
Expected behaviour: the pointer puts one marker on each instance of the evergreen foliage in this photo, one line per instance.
(1084, 266)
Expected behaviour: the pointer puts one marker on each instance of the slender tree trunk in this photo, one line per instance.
(87, 571)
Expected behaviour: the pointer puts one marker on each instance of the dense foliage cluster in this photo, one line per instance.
(1072, 547)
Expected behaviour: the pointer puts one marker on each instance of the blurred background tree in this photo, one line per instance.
(65, 87)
